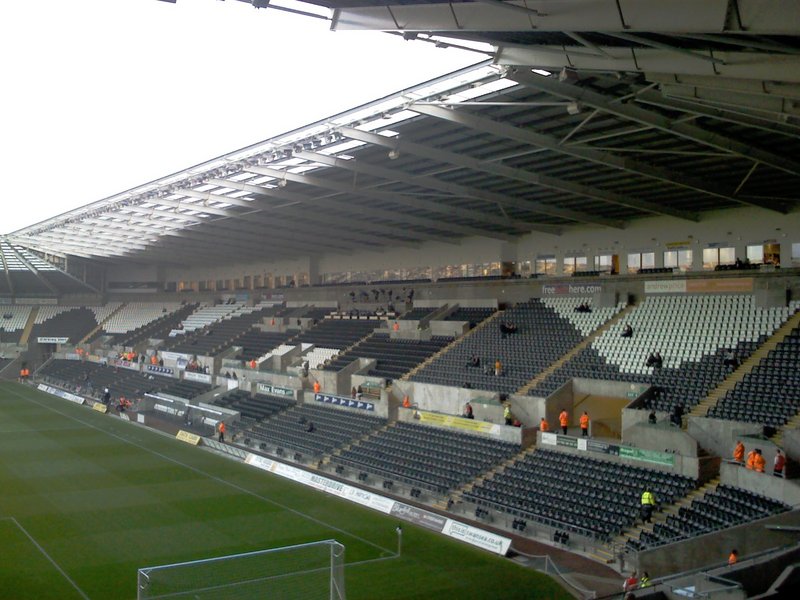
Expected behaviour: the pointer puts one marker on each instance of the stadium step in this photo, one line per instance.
(26, 333)
(715, 395)
(337, 451)
(89, 335)
(452, 345)
(634, 532)
(792, 423)
(575, 349)
(456, 494)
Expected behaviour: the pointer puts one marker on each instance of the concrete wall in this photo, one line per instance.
(714, 548)
(451, 400)
(661, 437)
(719, 436)
(785, 490)
(501, 432)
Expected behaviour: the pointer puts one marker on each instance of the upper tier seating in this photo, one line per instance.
(71, 322)
(136, 314)
(473, 316)
(770, 393)
(256, 343)
(693, 334)
(206, 315)
(543, 335)
(721, 508)
(427, 457)
(394, 357)
(158, 329)
(13, 319)
(332, 428)
(254, 408)
(419, 313)
(584, 495)
(184, 389)
(585, 322)
(217, 337)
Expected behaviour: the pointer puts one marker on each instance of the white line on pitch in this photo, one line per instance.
(205, 474)
(47, 556)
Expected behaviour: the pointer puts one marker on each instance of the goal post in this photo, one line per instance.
(312, 571)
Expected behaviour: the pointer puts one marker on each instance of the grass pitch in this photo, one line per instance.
(86, 500)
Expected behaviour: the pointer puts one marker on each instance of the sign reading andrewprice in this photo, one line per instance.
(419, 516)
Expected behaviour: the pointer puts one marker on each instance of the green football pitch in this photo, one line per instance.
(87, 499)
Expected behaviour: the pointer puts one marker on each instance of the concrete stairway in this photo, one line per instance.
(26, 333)
(457, 494)
(585, 343)
(702, 408)
(100, 325)
(608, 553)
(449, 347)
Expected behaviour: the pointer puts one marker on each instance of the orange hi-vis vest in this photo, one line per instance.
(738, 453)
(543, 425)
(563, 418)
(317, 387)
(751, 459)
(759, 462)
(584, 421)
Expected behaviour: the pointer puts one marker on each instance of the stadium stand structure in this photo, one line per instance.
(544, 334)
(585, 496)
(723, 507)
(288, 431)
(394, 357)
(254, 407)
(694, 334)
(14, 319)
(156, 329)
(425, 457)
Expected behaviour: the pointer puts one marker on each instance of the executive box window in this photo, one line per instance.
(606, 263)
(713, 257)
(796, 255)
(546, 265)
(680, 259)
(575, 263)
(641, 260)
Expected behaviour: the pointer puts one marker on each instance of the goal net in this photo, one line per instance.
(313, 571)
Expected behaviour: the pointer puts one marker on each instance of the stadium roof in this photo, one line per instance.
(591, 112)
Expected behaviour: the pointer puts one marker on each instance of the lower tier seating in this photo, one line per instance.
(434, 459)
(721, 508)
(582, 495)
(332, 428)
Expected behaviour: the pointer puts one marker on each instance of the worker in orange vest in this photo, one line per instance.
(759, 462)
(253, 363)
(738, 452)
(585, 424)
(154, 360)
(406, 402)
(751, 462)
(563, 418)
(222, 431)
(733, 558)
(544, 425)
(317, 387)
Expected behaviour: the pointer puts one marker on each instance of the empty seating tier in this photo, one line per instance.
(435, 459)
(90, 379)
(158, 329)
(473, 316)
(254, 408)
(692, 333)
(724, 507)
(770, 393)
(394, 357)
(185, 389)
(583, 495)
(70, 322)
(288, 430)
(542, 337)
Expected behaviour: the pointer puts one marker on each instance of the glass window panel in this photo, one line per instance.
(755, 254)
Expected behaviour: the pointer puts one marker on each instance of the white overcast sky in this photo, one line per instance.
(98, 96)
